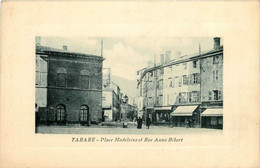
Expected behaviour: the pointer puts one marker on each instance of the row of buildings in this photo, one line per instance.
(116, 106)
(70, 89)
(184, 89)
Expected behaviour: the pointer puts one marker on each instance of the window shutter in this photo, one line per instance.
(216, 75)
(209, 95)
(219, 95)
(213, 75)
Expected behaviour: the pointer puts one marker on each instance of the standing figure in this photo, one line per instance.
(139, 123)
(148, 122)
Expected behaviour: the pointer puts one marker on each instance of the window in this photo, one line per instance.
(169, 82)
(179, 97)
(84, 112)
(184, 78)
(215, 75)
(137, 72)
(160, 84)
(215, 59)
(195, 96)
(180, 81)
(219, 95)
(195, 78)
(210, 95)
(150, 101)
(215, 94)
(183, 97)
(84, 79)
(194, 64)
(189, 97)
(61, 113)
(185, 65)
(151, 73)
(61, 77)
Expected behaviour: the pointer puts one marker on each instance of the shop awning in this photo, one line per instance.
(212, 112)
(184, 111)
(163, 108)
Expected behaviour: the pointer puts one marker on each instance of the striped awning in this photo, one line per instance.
(184, 111)
(213, 112)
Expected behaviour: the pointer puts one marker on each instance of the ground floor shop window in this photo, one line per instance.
(163, 117)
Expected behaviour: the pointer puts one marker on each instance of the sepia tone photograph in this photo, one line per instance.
(129, 85)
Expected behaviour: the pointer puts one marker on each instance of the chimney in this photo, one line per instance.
(38, 40)
(149, 64)
(162, 59)
(216, 43)
(176, 55)
(167, 56)
(65, 48)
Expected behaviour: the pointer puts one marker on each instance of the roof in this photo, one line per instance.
(184, 58)
(46, 50)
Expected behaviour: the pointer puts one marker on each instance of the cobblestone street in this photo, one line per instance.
(119, 130)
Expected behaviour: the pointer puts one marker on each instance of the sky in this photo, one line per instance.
(126, 55)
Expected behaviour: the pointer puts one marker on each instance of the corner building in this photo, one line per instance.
(212, 87)
(185, 90)
(74, 87)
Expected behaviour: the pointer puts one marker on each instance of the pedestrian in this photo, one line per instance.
(187, 123)
(148, 122)
(139, 123)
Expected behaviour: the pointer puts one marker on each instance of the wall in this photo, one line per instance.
(174, 74)
(41, 81)
(73, 96)
(106, 99)
(207, 82)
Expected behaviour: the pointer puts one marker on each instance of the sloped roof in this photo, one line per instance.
(45, 49)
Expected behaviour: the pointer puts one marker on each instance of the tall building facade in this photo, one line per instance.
(111, 102)
(212, 87)
(72, 89)
(181, 90)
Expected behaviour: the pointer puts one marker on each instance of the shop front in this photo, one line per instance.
(212, 118)
(162, 115)
(184, 116)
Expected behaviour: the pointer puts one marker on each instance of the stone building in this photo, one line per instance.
(72, 87)
(212, 87)
(180, 88)
(111, 102)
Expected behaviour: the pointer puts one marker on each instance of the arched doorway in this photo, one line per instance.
(61, 114)
(84, 115)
